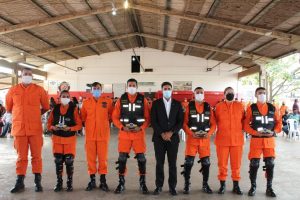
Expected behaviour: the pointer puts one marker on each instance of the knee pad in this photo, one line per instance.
(58, 158)
(189, 161)
(205, 161)
(254, 162)
(141, 157)
(122, 157)
(69, 159)
(269, 162)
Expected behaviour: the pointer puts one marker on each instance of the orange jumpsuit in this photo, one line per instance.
(260, 146)
(229, 139)
(196, 145)
(65, 145)
(25, 104)
(96, 115)
(128, 140)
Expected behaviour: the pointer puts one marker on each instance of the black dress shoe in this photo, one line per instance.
(157, 191)
(270, 192)
(173, 192)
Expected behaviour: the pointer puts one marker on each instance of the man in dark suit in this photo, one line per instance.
(166, 120)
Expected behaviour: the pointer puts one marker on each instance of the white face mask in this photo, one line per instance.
(65, 101)
(26, 79)
(131, 90)
(261, 98)
(199, 97)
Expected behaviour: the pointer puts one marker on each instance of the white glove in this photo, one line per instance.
(8, 118)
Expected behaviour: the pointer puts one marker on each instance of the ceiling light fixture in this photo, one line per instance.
(126, 4)
(268, 33)
(114, 9)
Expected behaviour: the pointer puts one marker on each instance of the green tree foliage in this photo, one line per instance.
(282, 76)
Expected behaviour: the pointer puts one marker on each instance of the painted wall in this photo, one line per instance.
(112, 68)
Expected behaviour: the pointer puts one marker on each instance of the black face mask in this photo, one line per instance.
(229, 96)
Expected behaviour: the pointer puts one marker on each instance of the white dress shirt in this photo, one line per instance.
(167, 106)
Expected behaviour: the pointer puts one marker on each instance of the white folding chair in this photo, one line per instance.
(293, 127)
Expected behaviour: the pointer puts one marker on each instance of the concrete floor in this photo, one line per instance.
(286, 182)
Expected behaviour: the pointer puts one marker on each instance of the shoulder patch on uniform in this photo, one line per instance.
(104, 104)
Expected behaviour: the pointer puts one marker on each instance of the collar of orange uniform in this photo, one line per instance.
(23, 86)
(132, 97)
(261, 104)
(228, 103)
(199, 103)
(64, 109)
(96, 100)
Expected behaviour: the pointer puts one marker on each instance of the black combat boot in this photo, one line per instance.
(121, 187)
(37, 181)
(236, 188)
(253, 175)
(205, 172)
(143, 186)
(92, 183)
(103, 185)
(222, 187)
(19, 186)
(187, 167)
(69, 161)
(59, 171)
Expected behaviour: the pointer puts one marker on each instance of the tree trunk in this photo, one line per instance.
(270, 91)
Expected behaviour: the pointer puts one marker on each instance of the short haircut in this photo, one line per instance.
(228, 88)
(166, 83)
(132, 80)
(95, 84)
(64, 91)
(198, 88)
(260, 88)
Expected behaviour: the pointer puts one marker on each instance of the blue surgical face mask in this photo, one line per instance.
(96, 93)
(167, 94)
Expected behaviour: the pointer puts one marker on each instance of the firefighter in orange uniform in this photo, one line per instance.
(199, 124)
(283, 109)
(23, 103)
(64, 121)
(96, 114)
(229, 139)
(131, 116)
(262, 122)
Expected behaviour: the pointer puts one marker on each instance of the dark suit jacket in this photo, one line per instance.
(160, 121)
